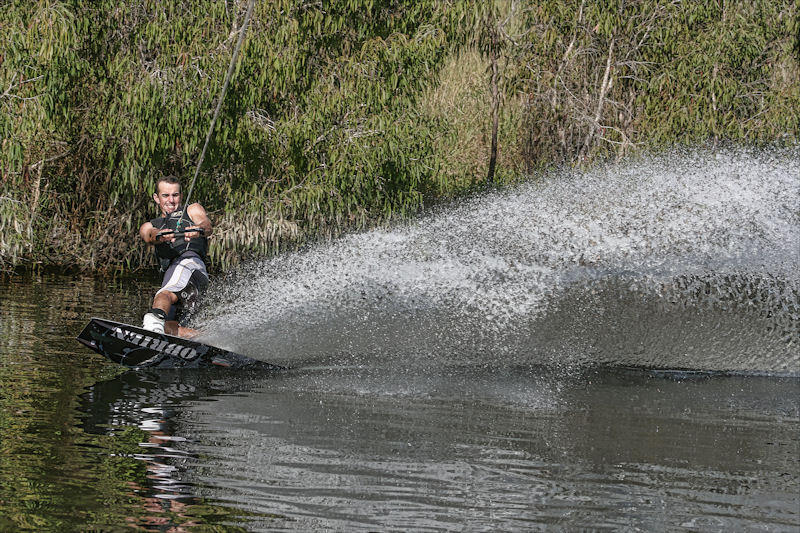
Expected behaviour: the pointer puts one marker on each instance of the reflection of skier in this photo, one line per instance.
(161, 497)
(180, 257)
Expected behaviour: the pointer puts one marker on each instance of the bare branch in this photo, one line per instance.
(606, 85)
(7, 93)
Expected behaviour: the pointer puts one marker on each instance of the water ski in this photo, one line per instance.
(135, 347)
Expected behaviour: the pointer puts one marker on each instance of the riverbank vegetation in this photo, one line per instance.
(342, 115)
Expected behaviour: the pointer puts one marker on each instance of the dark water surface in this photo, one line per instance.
(487, 368)
(386, 447)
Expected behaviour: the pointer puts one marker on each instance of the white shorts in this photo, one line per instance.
(181, 272)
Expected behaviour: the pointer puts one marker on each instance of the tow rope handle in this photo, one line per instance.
(178, 232)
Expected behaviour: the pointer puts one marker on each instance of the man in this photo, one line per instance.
(181, 257)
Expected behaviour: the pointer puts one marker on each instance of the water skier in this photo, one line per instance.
(181, 255)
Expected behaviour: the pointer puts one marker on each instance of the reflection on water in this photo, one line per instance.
(378, 445)
(123, 403)
(359, 448)
(61, 469)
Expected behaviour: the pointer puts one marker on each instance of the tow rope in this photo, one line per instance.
(242, 32)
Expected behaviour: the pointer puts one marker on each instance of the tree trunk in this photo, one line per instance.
(495, 116)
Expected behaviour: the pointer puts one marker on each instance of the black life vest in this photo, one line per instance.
(166, 252)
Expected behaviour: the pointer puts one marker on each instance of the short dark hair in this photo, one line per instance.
(167, 179)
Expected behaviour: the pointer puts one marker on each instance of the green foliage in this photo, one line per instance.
(611, 77)
(318, 132)
(331, 121)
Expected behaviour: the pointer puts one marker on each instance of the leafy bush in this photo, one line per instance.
(344, 114)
